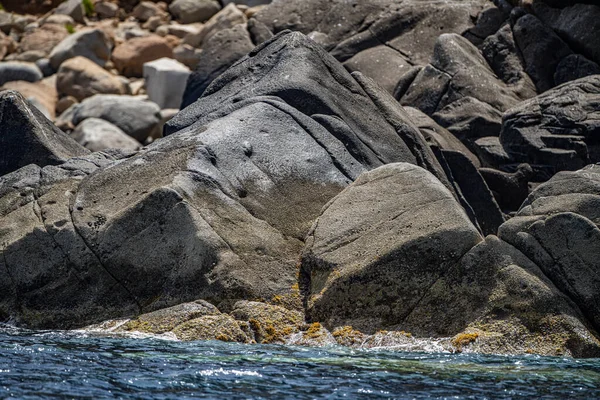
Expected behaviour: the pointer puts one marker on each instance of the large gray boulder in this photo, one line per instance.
(28, 137)
(219, 208)
(89, 43)
(558, 130)
(135, 116)
(558, 228)
(96, 134)
(379, 245)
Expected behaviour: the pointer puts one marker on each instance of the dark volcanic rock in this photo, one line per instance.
(542, 50)
(28, 137)
(369, 259)
(510, 189)
(559, 129)
(577, 25)
(573, 67)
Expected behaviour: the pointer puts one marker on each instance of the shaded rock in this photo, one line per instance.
(134, 116)
(577, 25)
(64, 103)
(165, 82)
(506, 303)
(82, 78)
(502, 55)
(573, 67)
(19, 71)
(490, 152)
(219, 208)
(97, 134)
(27, 137)
(213, 61)
(72, 8)
(558, 129)
(45, 66)
(542, 50)
(557, 228)
(510, 189)
(55, 276)
(368, 260)
(437, 136)
(475, 191)
(129, 57)
(375, 125)
(92, 44)
(189, 11)
(365, 24)
(43, 39)
(469, 119)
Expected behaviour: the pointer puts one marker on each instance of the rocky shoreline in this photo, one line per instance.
(371, 173)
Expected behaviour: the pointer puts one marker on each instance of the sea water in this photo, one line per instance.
(82, 365)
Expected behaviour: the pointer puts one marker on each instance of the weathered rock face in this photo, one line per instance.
(379, 245)
(500, 295)
(558, 228)
(219, 210)
(27, 137)
(292, 71)
(558, 129)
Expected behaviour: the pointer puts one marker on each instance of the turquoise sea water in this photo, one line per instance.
(77, 365)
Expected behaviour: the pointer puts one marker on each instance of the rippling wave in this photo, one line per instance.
(85, 365)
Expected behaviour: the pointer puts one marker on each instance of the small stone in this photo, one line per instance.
(129, 57)
(63, 104)
(188, 11)
(97, 134)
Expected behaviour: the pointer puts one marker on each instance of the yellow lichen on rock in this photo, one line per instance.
(211, 327)
(464, 339)
(348, 336)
